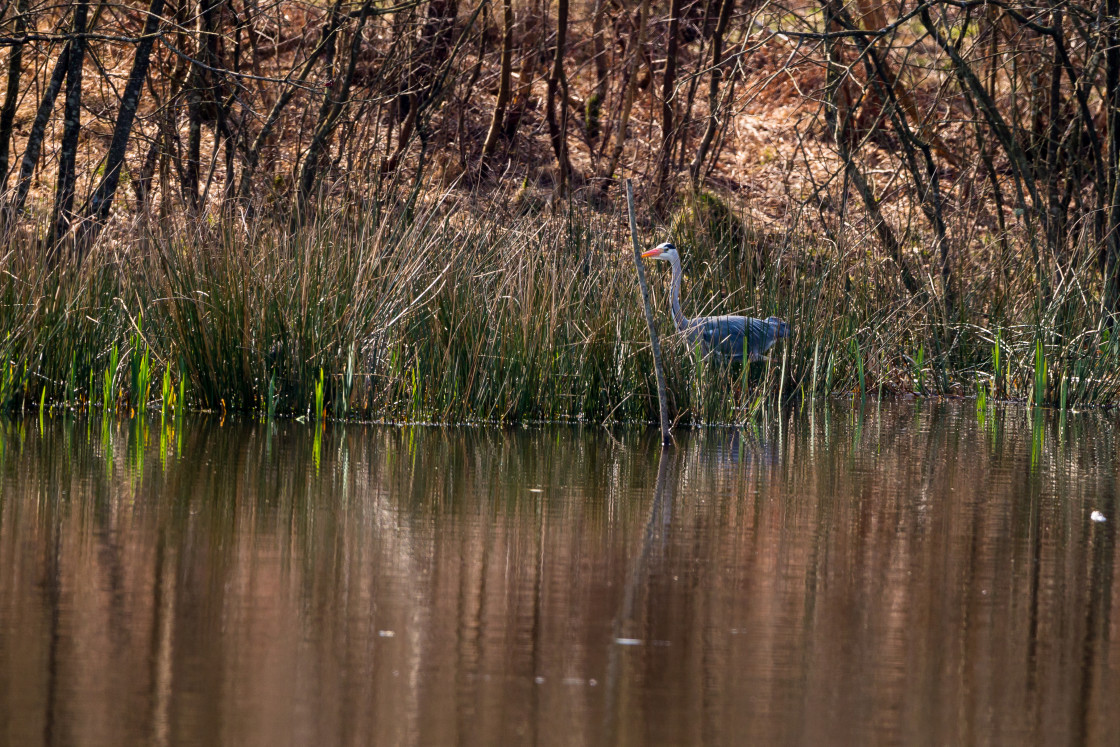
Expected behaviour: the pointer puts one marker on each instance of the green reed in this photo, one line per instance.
(166, 394)
(320, 394)
(181, 397)
(452, 312)
(919, 370)
(271, 401)
(141, 374)
(1039, 393)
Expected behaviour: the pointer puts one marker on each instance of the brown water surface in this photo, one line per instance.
(909, 573)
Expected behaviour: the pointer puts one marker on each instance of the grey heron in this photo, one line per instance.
(727, 336)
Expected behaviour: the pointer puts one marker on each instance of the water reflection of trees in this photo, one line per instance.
(434, 585)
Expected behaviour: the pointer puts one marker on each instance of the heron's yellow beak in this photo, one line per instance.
(652, 252)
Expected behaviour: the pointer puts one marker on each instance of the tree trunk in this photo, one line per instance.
(1112, 87)
(326, 40)
(839, 121)
(142, 184)
(987, 107)
(1055, 214)
(668, 133)
(200, 90)
(882, 83)
(594, 104)
(193, 167)
(408, 126)
(34, 145)
(329, 115)
(697, 164)
(557, 131)
(530, 55)
(11, 94)
(701, 63)
(102, 199)
(71, 123)
(504, 76)
(461, 103)
(637, 42)
(874, 19)
(436, 33)
(210, 94)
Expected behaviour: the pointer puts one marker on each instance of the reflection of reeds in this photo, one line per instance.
(434, 314)
(888, 548)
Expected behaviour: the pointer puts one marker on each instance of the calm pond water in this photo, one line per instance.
(842, 576)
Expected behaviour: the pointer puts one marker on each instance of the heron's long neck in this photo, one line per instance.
(679, 319)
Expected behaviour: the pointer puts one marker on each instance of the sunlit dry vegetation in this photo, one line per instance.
(412, 211)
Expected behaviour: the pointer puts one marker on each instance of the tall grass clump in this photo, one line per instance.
(453, 310)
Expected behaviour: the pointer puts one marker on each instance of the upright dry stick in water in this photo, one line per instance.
(662, 395)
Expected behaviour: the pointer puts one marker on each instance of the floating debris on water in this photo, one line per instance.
(1097, 516)
(386, 633)
(628, 641)
(577, 681)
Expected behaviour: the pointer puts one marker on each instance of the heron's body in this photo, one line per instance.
(728, 336)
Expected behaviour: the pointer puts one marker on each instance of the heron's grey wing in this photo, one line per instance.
(761, 336)
(723, 335)
(726, 336)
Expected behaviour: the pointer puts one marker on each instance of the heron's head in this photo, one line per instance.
(666, 251)
(781, 328)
